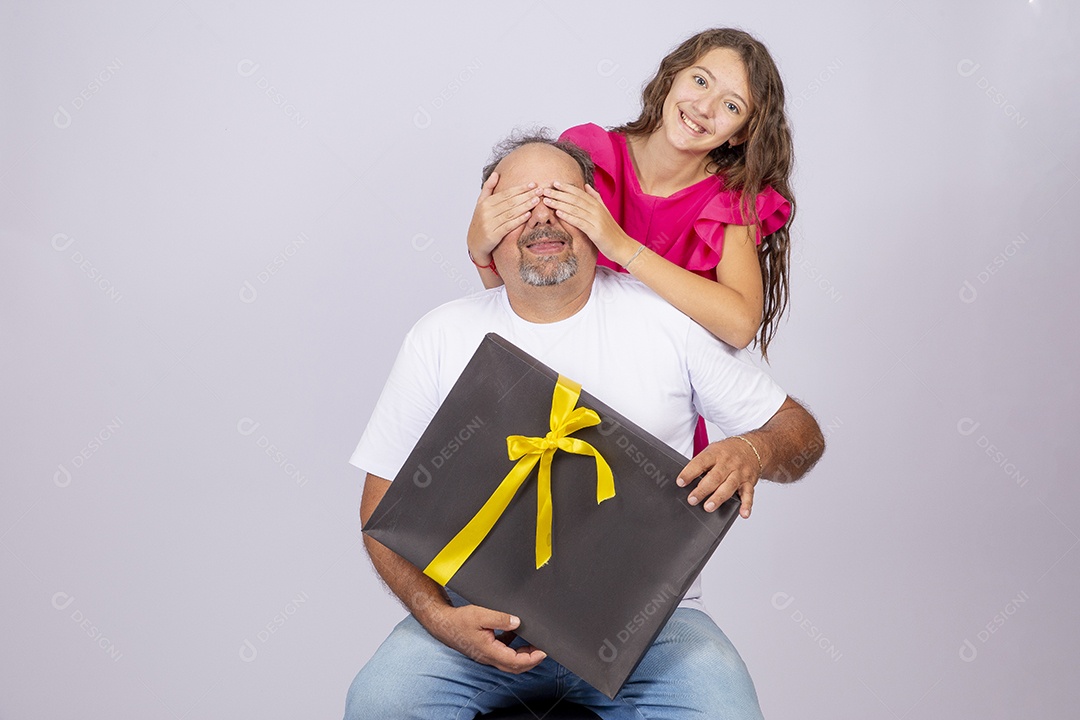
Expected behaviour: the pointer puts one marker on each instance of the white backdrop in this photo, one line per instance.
(219, 220)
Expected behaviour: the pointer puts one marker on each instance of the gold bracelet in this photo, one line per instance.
(633, 257)
(760, 467)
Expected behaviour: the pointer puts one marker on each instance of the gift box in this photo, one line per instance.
(527, 495)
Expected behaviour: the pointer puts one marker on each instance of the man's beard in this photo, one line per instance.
(541, 271)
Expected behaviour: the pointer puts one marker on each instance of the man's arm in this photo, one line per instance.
(789, 444)
(469, 629)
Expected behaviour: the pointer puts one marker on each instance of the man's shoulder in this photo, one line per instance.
(630, 292)
(626, 299)
(450, 315)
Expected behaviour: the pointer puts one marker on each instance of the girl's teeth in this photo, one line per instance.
(690, 124)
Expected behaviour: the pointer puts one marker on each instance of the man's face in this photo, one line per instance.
(545, 250)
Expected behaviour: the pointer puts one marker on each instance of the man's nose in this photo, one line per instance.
(541, 215)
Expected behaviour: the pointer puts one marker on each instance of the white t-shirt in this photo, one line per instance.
(628, 347)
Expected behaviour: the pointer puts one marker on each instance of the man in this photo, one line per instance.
(633, 351)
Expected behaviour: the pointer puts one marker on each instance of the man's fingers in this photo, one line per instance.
(517, 660)
(716, 487)
(693, 469)
(746, 495)
(723, 492)
(496, 651)
(472, 629)
(529, 656)
(495, 620)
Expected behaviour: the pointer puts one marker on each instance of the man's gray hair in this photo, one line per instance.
(541, 136)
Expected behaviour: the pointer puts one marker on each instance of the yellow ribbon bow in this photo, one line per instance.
(565, 420)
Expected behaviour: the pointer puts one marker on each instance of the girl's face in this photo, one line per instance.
(708, 104)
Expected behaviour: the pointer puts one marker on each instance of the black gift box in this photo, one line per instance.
(618, 569)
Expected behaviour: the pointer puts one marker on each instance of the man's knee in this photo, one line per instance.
(386, 686)
(691, 647)
(414, 675)
(369, 699)
(377, 696)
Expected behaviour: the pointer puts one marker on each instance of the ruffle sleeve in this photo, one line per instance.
(773, 211)
(599, 143)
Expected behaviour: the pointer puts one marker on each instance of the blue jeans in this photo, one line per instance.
(691, 671)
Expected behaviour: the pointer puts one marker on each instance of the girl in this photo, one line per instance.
(692, 197)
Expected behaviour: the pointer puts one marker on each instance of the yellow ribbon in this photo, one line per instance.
(565, 420)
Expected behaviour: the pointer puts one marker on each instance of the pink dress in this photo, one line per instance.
(686, 228)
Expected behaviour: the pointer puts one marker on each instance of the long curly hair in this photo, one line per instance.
(764, 159)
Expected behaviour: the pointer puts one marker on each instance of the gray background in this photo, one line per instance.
(219, 220)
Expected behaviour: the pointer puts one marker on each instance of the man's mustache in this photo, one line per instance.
(544, 233)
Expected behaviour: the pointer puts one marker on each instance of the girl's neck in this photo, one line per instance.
(661, 170)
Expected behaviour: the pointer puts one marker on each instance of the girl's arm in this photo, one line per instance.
(730, 308)
(496, 214)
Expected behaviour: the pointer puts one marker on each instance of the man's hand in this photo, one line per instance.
(585, 210)
(729, 466)
(497, 214)
(470, 630)
(782, 450)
